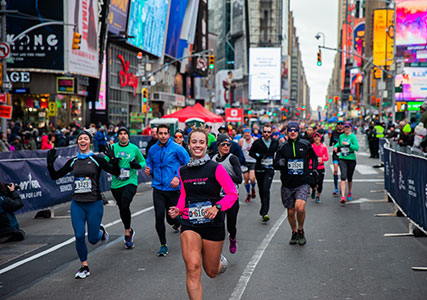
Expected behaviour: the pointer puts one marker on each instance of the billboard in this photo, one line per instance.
(84, 14)
(40, 49)
(101, 104)
(147, 25)
(413, 82)
(176, 17)
(264, 73)
(359, 39)
(383, 37)
(411, 30)
(118, 16)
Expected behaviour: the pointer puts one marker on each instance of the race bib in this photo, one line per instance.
(82, 185)
(345, 151)
(124, 174)
(296, 166)
(267, 163)
(197, 212)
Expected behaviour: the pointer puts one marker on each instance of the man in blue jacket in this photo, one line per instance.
(163, 162)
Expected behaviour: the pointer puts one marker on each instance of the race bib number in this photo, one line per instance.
(296, 166)
(345, 151)
(267, 162)
(124, 174)
(197, 212)
(83, 185)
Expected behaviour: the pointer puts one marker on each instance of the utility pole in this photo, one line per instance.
(3, 33)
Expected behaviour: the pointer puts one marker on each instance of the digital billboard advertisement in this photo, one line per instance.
(383, 38)
(147, 25)
(411, 30)
(413, 82)
(358, 39)
(42, 48)
(264, 73)
(83, 61)
(176, 18)
(118, 16)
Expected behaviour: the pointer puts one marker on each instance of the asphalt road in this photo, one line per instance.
(346, 255)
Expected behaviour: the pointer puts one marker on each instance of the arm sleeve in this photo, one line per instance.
(61, 172)
(354, 144)
(112, 168)
(237, 170)
(139, 158)
(181, 200)
(228, 186)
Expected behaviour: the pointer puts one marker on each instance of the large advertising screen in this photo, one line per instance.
(359, 39)
(411, 30)
(118, 16)
(176, 17)
(147, 25)
(264, 73)
(413, 82)
(84, 14)
(383, 37)
(42, 48)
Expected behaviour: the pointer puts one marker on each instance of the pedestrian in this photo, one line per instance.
(10, 201)
(248, 168)
(124, 186)
(322, 156)
(423, 111)
(202, 210)
(348, 145)
(406, 137)
(232, 165)
(46, 144)
(293, 160)
(332, 141)
(153, 140)
(86, 204)
(179, 139)
(163, 162)
(101, 138)
(263, 150)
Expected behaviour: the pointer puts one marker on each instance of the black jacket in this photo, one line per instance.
(293, 161)
(9, 203)
(260, 152)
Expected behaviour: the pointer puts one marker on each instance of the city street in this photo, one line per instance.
(346, 255)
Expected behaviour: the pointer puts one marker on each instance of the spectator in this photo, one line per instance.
(423, 111)
(4, 144)
(406, 138)
(101, 138)
(147, 130)
(46, 144)
(17, 143)
(420, 133)
(152, 141)
(10, 201)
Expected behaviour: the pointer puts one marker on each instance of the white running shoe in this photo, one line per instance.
(224, 264)
(83, 272)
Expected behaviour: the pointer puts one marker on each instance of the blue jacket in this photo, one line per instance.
(101, 137)
(164, 163)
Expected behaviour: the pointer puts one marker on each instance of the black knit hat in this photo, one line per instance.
(85, 132)
(123, 129)
(222, 137)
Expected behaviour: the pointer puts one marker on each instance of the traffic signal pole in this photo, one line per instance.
(3, 39)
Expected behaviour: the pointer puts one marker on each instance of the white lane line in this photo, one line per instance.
(63, 244)
(250, 268)
(365, 170)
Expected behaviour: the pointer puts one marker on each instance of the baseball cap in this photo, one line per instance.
(348, 124)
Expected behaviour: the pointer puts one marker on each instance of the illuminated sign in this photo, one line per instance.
(413, 83)
(127, 78)
(65, 85)
(383, 39)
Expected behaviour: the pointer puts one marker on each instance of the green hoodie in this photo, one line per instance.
(347, 151)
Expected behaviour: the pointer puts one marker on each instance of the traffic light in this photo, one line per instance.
(77, 39)
(330, 100)
(350, 98)
(319, 58)
(286, 100)
(144, 95)
(378, 102)
(326, 107)
(336, 98)
(211, 62)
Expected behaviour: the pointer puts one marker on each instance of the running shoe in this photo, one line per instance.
(317, 199)
(163, 250)
(248, 198)
(265, 218)
(342, 200)
(253, 195)
(335, 193)
(128, 240)
(313, 193)
(83, 272)
(176, 227)
(349, 196)
(105, 235)
(294, 238)
(301, 238)
(233, 244)
(224, 264)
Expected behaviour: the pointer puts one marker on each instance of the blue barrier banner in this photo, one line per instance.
(63, 151)
(382, 141)
(405, 178)
(141, 141)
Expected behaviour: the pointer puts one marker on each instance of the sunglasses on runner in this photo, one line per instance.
(178, 136)
(292, 130)
(225, 144)
(267, 131)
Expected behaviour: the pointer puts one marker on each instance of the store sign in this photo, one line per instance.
(53, 109)
(5, 111)
(234, 115)
(179, 100)
(21, 90)
(22, 77)
(3, 98)
(414, 106)
(127, 78)
(65, 85)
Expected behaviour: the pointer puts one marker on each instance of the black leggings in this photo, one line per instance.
(264, 180)
(232, 219)
(320, 180)
(162, 201)
(124, 197)
(347, 168)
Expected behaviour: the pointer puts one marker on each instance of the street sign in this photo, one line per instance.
(5, 111)
(4, 50)
(7, 85)
(3, 98)
(234, 115)
(53, 108)
(202, 63)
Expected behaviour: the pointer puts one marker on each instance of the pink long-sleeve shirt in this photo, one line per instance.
(321, 151)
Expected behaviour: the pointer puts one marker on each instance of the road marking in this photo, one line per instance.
(365, 170)
(331, 180)
(250, 268)
(63, 244)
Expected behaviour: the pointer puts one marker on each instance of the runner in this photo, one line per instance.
(202, 210)
(179, 139)
(232, 165)
(123, 187)
(263, 151)
(293, 160)
(86, 205)
(163, 162)
(348, 145)
(322, 154)
(332, 141)
(248, 168)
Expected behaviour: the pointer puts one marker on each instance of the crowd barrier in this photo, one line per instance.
(405, 182)
(28, 170)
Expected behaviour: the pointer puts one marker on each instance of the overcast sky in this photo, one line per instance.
(311, 17)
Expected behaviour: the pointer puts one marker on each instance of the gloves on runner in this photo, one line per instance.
(134, 164)
(109, 152)
(51, 156)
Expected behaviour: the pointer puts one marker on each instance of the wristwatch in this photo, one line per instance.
(218, 206)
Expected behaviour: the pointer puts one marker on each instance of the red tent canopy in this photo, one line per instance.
(197, 111)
